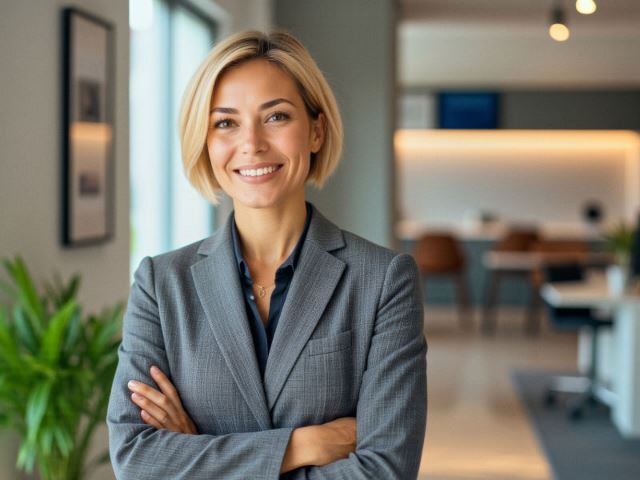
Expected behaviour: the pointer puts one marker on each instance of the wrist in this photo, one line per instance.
(301, 450)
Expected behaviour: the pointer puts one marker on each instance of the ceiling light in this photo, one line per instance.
(558, 29)
(586, 7)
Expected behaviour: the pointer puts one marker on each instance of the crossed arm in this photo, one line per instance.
(391, 411)
(310, 445)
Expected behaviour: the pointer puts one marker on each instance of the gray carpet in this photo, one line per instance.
(587, 449)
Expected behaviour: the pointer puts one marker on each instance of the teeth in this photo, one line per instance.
(257, 172)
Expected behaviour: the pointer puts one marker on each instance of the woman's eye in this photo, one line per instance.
(225, 123)
(278, 116)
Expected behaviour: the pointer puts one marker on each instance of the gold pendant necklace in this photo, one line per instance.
(262, 291)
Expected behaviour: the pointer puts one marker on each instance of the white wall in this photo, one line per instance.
(30, 168)
(506, 54)
(544, 177)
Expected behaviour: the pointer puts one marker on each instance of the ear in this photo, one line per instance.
(318, 130)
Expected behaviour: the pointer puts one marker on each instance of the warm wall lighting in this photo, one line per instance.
(586, 7)
(558, 29)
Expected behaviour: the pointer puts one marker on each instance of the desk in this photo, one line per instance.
(626, 342)
(500, 264)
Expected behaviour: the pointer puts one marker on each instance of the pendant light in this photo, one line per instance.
(586, 7)
(558, 29)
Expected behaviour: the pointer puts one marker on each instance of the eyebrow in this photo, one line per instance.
(264, 106)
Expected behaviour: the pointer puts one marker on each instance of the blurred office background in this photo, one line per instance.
(465, 122)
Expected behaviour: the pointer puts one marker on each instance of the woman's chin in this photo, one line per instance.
(257, 201)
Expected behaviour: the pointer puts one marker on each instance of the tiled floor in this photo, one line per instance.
(476, 427)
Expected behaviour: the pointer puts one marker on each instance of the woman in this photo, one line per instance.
(280, 345)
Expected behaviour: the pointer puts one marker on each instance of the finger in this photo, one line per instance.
(148, 419)
(154, 396)
(159, 414)
(166, 386)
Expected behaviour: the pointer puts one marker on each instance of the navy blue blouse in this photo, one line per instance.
(263, 336)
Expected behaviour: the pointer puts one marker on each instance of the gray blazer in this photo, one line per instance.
(349, 342)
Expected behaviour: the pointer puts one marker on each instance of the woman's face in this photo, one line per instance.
(260, 136)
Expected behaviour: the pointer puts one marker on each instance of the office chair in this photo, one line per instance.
(574, 319)
(440, 254)
(516, 239)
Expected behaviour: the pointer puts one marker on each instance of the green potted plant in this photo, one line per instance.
(619, 241)
(56, 370)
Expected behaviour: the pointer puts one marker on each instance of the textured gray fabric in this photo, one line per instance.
(349, 343)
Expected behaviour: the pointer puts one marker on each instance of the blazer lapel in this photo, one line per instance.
(313, 283)
(218, 286)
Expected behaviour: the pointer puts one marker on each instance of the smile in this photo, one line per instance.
(258, 172)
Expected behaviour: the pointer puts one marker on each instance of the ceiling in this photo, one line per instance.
(516, 11)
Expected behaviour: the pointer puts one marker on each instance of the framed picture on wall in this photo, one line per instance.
(88, 127)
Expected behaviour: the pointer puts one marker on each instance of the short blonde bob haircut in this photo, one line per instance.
(281, 49)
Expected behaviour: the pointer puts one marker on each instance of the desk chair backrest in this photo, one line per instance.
(517, 240)
(439, 252)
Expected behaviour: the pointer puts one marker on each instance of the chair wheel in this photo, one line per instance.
(549, 399)
(575, 413)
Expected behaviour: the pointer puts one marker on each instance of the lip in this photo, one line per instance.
(260, 179)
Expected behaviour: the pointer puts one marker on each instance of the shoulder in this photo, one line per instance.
(374, 259)
(170, 263)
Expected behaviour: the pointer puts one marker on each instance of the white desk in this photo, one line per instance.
(529, 261)
(501, 264)
(626, 342)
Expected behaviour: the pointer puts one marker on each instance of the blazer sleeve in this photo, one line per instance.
(139, 451)
(392, 403)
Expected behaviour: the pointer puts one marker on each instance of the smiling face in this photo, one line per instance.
(260, 135)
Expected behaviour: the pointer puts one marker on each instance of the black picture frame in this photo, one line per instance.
(88, 164)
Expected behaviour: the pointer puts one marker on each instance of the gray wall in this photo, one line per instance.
(30, 136)
(578, 109)
(353, 43)
(565, 109)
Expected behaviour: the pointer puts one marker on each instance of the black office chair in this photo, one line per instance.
(573, 319)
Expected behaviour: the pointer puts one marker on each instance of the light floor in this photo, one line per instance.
(476, 427)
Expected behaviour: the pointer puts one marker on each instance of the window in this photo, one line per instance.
(169, 39)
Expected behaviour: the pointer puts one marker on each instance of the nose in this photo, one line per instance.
(253, 140)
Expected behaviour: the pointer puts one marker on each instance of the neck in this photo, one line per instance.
(269, 235)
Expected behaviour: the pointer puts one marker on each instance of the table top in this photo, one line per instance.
(519, 261)
(593, 292)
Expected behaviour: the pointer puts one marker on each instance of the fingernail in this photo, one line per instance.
(154, 369)
(134, 396)
(132, 384)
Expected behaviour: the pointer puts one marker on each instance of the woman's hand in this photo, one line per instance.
(336, 439)
(320, 444)
(163, 409)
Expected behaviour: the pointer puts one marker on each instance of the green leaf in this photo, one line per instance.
(27, 290)
(24, 329)
(27, 457)
(46, 441)
(8, 351)
(53, 337)
(73, 332)
(36, 408)
(63, 440)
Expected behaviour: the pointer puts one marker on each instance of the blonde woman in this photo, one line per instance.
(281, 346)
